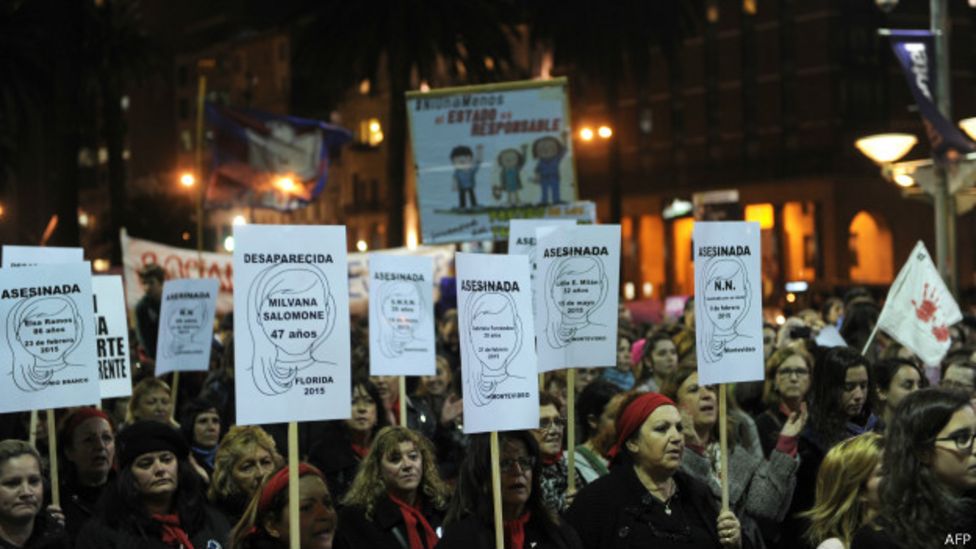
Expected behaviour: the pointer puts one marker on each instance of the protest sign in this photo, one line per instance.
(576, 297)
(48, 354)
(491, 152)
(112, 337)
(186, 325)
(443, 257)
(25, 256)
(291, 326)
(728, 301)
(501, 389)
(401, 316)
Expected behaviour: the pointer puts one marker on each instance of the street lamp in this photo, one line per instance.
(586, 134)
(968, 125)
(187, 179)
(886, 147)
(285, 184)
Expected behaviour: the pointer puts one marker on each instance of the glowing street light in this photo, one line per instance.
(586, 134)
(604, 132)
(229, 243)
(886, 147)
(187, 179)
(362, 246)
(239, 220)
(285, 184)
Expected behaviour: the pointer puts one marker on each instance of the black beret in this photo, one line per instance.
(147, 436)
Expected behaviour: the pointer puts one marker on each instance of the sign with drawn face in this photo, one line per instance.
(401, 315)
(112, 337)
(522, 237)
(48, 352)
(728, 301)
(501, 387)
(186, 325)
(26, 256)
(291, 323)
(576, 296)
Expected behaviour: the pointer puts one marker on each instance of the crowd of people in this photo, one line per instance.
(834, 449)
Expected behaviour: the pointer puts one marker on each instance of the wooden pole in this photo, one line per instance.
(496, 492)
(723, 438)
(403, 401)
(571, 427)
(52, 451)
(867, 345)
(294, 524)
(32, 429)
(173, 392)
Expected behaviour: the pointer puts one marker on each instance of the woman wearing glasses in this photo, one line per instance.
(553, 477)
(528, 523)
(785, 391)
(929, 466)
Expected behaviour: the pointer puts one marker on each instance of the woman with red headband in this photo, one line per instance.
(646, 501)
(87, 443)
(397, 498)
(265, 522)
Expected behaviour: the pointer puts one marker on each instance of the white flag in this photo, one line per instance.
(920, 309)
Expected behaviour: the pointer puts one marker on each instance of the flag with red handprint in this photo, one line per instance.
(920, 308)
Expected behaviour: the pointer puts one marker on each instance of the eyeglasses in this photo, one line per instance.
(963, 440)
(524, 464)
(798, 372)
(551, 423)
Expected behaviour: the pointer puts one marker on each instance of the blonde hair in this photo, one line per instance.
(238, 444)
(368, 488)
(141, 391)
(839, 509)
(770, 395)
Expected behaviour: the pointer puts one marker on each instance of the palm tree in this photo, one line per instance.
(390, 41)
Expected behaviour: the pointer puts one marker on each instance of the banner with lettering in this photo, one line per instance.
(291, 323)
(401, 316)
(112, 337)
(25, 256)
(484, 152)
(186, 319)
(728, 301)
(501, 385)
(48, 356)
(576, 296)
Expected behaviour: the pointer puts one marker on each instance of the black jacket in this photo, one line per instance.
(472, 533)
(97, 534)
(78, 503)
(333, 455)
(47, 534)
(386, 531)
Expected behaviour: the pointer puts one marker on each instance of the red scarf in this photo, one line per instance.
(173, 535)
(552, 459)
(412, 517)
(360, 451)
(515, 531)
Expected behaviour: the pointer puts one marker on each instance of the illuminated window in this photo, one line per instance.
(370, 132)
(763, 213)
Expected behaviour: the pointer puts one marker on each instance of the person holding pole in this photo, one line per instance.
(87, 446)
(397, 495)
(646, 500)
(528, 523)
(244, 458)
(156, 499)
(554, 475)
(24, 523)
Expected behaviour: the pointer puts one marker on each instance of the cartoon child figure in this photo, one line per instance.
(548, 152)
(511, 162)
(465, 167)
(495, 335)
(42, 332)
(726, 297)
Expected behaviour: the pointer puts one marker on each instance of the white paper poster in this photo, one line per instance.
(25, 256)
(112, 337)
(48, 354)
(501, 385)
(578, 285)
(291, 323)
(186, 319)
(401, 316)
(728, 301)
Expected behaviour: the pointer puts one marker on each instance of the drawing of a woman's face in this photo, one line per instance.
(726, 293)
(494, 332)
(186, 321)
(402, 310)
(49, 328)
(296, 311)
(578, 288)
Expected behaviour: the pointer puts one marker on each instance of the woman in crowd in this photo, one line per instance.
(646, 500)
(397, 495)
(150, 401)
(785, 391)
(24, 523)
(623, 374)
(554, 474)
(929, 466)
(244, 458)
(265, 523)
(87, 444)
(201, 427)
(893, 379)
(847, 492)
(832, 311)
(420, 417)
(440, 394)
(759, 489)
(527, 521)
(155, 501)
(343, 444)
(596, 429)
(860, 317)
(658, 359)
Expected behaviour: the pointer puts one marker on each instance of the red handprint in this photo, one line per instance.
(929, 306)
(941, 333)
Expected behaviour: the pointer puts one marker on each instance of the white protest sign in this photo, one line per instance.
(577, 295)
(48, 354)
(291, 323)
(401, 315)
(186, 319)
(728, 301)
(112, 331)
(829, 336)
(501, 386)
(25, 256)
(522, 237)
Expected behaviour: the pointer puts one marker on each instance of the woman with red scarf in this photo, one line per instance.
(396, 499)
(155, 501)
(528, 523)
